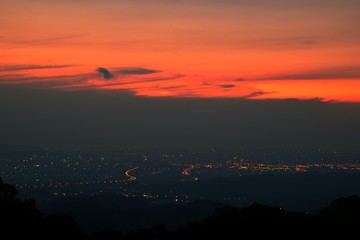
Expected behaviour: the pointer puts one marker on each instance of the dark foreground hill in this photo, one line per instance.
(300, 192)
(127, 215)
(20, 218)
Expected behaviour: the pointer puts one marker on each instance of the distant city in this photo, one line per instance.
(142, 173)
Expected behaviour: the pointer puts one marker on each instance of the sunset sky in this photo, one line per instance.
(187, 48)
(180, 72)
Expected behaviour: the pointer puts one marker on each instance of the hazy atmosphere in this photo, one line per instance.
(179, 119)
(180, 73)
(112, 119)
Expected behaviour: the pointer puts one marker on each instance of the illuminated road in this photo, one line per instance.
(131, 177)
(187, 170)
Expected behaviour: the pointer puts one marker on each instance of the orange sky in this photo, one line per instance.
(233, 49)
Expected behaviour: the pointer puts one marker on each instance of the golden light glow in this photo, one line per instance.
(218, 51)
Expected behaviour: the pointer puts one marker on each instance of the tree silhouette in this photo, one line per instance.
(21, 219)
(345, 210)
(341, 219)
(17, 217)
(61, 227)
(108, 234)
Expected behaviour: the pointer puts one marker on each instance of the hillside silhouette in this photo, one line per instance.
(21, 218)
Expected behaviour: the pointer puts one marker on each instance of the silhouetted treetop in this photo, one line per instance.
(340, 219)
(21, 219)
(344, 210)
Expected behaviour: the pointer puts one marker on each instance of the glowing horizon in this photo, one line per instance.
(201, 49)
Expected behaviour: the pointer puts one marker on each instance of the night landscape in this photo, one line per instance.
(164, 119)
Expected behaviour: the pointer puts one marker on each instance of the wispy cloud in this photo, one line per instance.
(135, 71)
(310, 42)
(347, 72)
(227, 86)
(104, 73)
(146, 80)
(240, 79)
(88, 80)
(30, 79)
(16, 43)
(31, 67)
(302, 41)
(255, 94)
(283, 42)
(173, 87)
